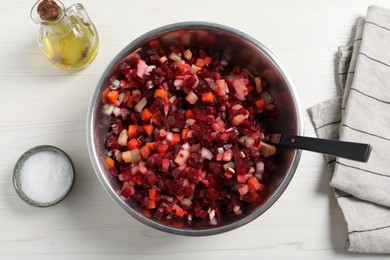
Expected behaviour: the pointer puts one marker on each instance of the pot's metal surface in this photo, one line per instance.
(243, 50)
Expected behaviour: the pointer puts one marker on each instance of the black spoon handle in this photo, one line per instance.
(353, 151)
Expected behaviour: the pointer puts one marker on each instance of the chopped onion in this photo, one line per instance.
(206, 153)
(241, 140)
(187, 54)
(116, 111)
(259, 170)
(237, 107)
(174, 56)
(108, 109)
(211, 214)
(121, 97)
(192, 98)
(122, 138)
(178, 83)
(186, 202)
(140, 105)
(114, 84)
(149, 69)
(169, 136)
(163, 59)
(185, 146)
(195, 69)
(190, 121)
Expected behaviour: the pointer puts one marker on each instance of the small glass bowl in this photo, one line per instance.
(17, 174)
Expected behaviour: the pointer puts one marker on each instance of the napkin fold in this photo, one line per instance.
(362, 114)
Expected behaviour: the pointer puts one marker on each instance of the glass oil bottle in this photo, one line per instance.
(67, 36)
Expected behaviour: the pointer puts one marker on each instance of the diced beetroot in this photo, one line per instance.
(243, 189)
(241, 178)
(165, 165)
(141, 68)
(183, 136)
(227, 155)
(114, 172)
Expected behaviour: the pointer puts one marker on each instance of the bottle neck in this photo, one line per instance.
(59, 27)
(51, 14)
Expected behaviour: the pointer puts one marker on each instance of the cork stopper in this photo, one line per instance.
(48, 10)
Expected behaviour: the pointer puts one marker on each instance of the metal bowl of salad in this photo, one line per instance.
(177, 128)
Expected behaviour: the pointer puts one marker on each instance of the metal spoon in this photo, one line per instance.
(349, 150)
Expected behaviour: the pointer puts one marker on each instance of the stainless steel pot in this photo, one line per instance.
(243, 50)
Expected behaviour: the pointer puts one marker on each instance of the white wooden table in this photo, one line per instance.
(40, 104)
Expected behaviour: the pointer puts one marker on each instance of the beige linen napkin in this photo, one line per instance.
(362, 114)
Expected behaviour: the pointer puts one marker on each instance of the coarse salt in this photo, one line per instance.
(46, 176)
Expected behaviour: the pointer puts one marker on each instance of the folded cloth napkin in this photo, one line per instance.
(362, 114)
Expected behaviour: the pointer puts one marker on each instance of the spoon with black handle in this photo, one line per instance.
(348, 150)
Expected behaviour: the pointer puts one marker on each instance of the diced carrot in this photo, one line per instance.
(110, 163)
(250, 88)
(208, 97)
(152, 194)
(126, 97)
(207, 60)
(146, 213)
(155, 114)
(184, 133)
(151, 145)
(161, 93)
(144, 151)
(133, 143)
(112, 96)
(139, 179)
(179, 213)
(148, 129)
(104, 94)
(189, 114)
(203, 62)
(151, 204)
(260, 104)
(146, 114)
(184, 68)
(254, 195)
(132, 131)
(175, 140)
(253, 183)
(155, 44)
(199, 62)
(162, 148)
(130, 101)
(168, 211)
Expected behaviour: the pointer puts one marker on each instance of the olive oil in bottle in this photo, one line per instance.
(67, 37)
